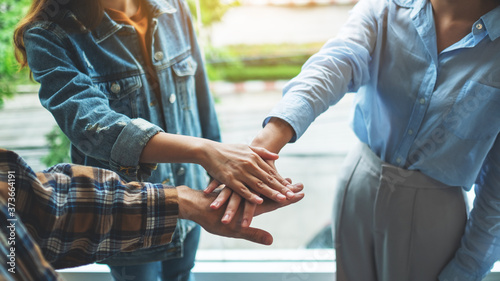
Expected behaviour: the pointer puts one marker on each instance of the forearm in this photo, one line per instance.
(99, 208)
(274, 136)
(480, 245)
(171, 148)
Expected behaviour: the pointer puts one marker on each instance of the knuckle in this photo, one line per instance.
(247, 163)
(272, 173)
(270, 179)
(228, 176)
(260, 185)
(254, 157)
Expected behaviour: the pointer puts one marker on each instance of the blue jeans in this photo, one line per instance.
(169, 270)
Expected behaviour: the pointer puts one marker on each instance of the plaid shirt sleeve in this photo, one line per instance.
(78, 215)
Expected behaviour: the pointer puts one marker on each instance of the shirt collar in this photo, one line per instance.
(490, 22)
(417, 4)
(108, 26)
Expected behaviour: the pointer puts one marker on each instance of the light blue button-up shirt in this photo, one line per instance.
(416, 108)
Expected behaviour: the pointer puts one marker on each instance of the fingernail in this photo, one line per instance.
(244, 223)
(214, 205)
(258, 199)
(280, 196)
(290, 194)
(225, 218)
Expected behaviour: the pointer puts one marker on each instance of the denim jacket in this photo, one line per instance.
(100, 91)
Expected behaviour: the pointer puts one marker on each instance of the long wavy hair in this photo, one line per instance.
(88, 12)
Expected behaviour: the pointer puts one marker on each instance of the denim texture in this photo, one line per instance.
(109, 103)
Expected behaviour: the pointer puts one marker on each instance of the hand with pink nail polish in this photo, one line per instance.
(196, 206)
(246, 171)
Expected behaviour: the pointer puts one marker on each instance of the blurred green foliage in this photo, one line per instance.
(11, 11)
(258, 62)
(59, 146)
(212, 11)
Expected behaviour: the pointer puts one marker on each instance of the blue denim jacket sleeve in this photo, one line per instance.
(80, 108)
(480, 246)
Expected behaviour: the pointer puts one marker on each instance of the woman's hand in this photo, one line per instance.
(235, 202)
(244, 169)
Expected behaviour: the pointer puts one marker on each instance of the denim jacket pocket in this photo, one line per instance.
(476, 112)
(121, 94)
(184, 81)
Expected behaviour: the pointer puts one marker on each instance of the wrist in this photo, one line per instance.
(201, 151)
(186, 202)
(276, 134)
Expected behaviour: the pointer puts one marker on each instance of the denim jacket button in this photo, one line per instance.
(158, 56)
(115, 88)
(172, 98)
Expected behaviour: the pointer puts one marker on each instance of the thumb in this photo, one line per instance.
(264, 153)
(256, 235)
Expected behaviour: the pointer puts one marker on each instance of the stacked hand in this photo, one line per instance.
(194, 205)
(244, 169)
(275, 188)
(248, 173)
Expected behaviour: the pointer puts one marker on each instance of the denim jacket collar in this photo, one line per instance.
(109, 27)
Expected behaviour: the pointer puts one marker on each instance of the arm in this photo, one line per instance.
(236, 166)
(480, 246)
(78, 215)
(21, 257)
(80, 108)
(341, 65)
(84, 114)
(275, 135)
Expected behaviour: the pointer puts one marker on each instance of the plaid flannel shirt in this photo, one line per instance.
(71, 215)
